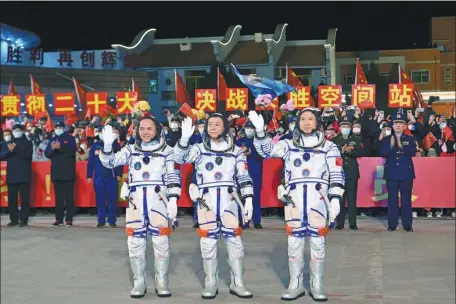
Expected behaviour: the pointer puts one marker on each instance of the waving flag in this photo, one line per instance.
(261, 86)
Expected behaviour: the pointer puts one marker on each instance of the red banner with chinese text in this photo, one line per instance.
(329, 96)
(35, 103)
(10, 105)
(302, 98)
(63, 103)
(400, 95)
(236, 99)
(274, 105)
(362, 93)
(95, 101)
(125, 101)
(206, 100)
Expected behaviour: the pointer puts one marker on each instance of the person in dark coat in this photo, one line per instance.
(398, 149)
(105, 181)
(61, 150)
(17, 151)
(174, 133)
(350, 148)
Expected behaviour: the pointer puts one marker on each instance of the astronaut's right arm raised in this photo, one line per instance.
(263, 143)
(109, 159)
(182, 152)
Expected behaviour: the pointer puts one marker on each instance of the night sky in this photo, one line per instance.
(97, 25)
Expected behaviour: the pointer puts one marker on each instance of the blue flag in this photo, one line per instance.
(262, 86)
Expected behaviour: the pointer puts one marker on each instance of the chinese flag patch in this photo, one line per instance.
(339, 162)
(246, 166)
(177, 166)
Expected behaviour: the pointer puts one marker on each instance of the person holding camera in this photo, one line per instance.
(17, 151)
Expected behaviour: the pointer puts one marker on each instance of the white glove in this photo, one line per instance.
(335, 208)
(187, 130)
(257, 120)
(108, 138)
(124, 191)
(171, 208)
(248, 209)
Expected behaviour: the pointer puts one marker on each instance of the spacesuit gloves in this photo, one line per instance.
(257, 120)
(108, 138)
(248, 209)
(187, 130)
(335, 208)
(171, 208)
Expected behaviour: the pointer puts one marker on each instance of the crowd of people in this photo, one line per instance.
(356, 132)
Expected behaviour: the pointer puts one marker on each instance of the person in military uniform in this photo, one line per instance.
(398, 149)
(350, 148)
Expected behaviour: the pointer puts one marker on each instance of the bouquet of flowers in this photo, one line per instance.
(287, 108)
(106, 112)
(140, 108)
(263, 100)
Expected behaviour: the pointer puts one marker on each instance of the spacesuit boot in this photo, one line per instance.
(296, 287)
(211, 282)
(317, 271)
(237, 287)
(138, 267)
(161, 277)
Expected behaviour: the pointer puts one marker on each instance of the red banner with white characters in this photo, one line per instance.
(433, 175)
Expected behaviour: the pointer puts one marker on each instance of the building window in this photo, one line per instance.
(349, 79)
(153, 87)
(168, 95)
(420, 76)
(385, 77)
(194, 79)
(247, 71)
(305, 75)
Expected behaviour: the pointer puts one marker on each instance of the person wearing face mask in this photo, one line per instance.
(197, 137)
(350, 148)
(152, 190)
(61, 150)
(105, 181)
(385, 131)
(174, 133)
(82, 154)
(221, 167)
(255, 168)
(398, 149)
(17, 151)
(314, 183)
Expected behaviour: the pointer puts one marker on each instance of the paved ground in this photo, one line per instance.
(77, 265)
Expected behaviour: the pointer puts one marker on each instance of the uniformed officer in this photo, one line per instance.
(255, 168)
(105, 181)
(350, 148)
(398, 149)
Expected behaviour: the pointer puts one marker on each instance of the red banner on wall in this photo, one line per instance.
(434, 175)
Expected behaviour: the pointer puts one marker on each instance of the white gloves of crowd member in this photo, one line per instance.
(108, 138)
(258, 121)
(171, 208)
(248, 209)
(187, 131)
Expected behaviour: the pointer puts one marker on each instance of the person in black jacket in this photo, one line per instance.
(61, 150)
(18, 153)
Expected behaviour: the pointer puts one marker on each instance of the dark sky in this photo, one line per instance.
(97, 25)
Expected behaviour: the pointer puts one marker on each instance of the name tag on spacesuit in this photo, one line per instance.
(292, 216)
(133, 215)
(207, 219)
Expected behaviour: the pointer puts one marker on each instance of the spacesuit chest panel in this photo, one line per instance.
(306, 165)
(216, 169)
(147, 168)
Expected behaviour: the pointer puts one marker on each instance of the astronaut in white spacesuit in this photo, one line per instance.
(220, 166)
(314, 184)
(153, 191)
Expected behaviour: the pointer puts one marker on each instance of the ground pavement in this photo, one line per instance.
(45, 265)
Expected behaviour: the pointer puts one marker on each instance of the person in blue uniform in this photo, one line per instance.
(255, 168)
(291, 121)
(398, 149)
(196, 138)
(105, 181)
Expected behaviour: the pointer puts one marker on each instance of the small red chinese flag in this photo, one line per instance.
(360, 77)
(447, 134)
(49, 126)
(12, 89)
(428, 141)
(292, 79)
(221, 85)
(186, 110)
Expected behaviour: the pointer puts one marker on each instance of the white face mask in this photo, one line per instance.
(201, 130)
(411, 127)
(387, 132)
(356, 131)
(345, 131)
(443, 125)
(7, 138)
(291, 126)
(280, 130)
(173, 125)
(83, 147)
(249, 132)
(18, 134)
(58, 131)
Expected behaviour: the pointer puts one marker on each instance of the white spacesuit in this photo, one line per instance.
(312, 172)
(153, 191)
(220, 166)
